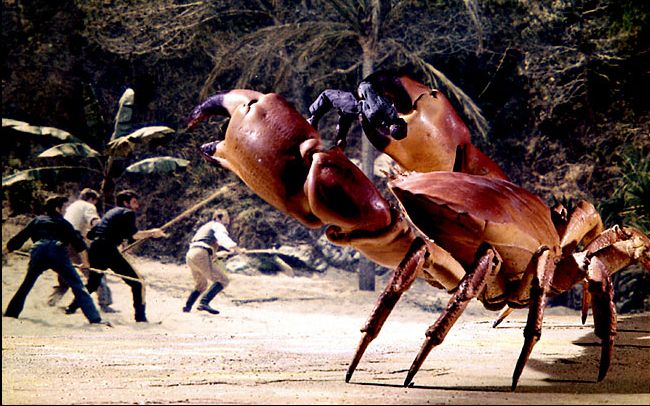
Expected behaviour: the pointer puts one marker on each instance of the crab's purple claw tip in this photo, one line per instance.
(195, 117)
(209, 148)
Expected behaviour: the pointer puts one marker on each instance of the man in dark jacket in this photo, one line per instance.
(117, 225)
(51, 234)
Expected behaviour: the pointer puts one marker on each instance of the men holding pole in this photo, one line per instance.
(117, 225)
(82, 214)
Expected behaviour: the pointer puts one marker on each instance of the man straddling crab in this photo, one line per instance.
(493, 240)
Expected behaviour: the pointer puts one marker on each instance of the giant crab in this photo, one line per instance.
(415, 125)
(493, 240)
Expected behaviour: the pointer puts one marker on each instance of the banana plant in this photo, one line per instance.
(121, 145)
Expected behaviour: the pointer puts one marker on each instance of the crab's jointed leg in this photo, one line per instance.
(544, 269)
(604, 311)
(487, 264)
(401, 280)
(586, 301)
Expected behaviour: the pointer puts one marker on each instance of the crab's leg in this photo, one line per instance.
(545, 266)
(505, 312)
(604, 311)
(401, 280)
(470, 287)
(586, 300)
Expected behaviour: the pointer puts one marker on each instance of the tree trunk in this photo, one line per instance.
(368, 154)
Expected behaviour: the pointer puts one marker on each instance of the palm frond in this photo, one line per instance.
(70, 149)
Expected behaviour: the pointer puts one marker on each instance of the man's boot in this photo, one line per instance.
(72, 307)
(204, 305)
(140, 315)
(190, 300)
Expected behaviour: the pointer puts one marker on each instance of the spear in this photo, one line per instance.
(107, 272)
(184, 214)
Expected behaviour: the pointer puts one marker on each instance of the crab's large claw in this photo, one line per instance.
(619, 247)
(267, 144)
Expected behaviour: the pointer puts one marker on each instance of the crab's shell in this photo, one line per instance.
(459, 212)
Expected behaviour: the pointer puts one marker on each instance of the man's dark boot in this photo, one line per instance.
(140, 315)
(72, 307)
(204, 305)
(190, 300)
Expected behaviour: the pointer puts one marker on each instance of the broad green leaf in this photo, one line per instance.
(125, 145)
(68, 150)
(39, 130)
(46, 174)
(162, 164)
(8, 122)
(124, 114)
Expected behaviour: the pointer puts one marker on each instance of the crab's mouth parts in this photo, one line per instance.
(208, 150)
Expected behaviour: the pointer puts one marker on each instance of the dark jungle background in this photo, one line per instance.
(555, 91)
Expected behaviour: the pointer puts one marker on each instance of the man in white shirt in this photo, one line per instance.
(205, 243)
(82, 214)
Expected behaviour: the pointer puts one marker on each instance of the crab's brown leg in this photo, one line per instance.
(505, 312)
(401, 280)
(545, 266)
(470, 286)
(586, 300)
(604, 311)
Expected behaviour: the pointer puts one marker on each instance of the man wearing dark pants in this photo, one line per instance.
(82, 214)
(51, 234)
(117, 225)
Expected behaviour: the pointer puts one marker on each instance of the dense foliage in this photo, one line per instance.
(552, 90)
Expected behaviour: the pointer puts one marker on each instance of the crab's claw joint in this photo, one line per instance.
(361, 348)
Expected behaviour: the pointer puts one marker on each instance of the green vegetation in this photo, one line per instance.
(102, 165)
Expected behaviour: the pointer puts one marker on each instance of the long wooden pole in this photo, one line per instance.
(106, 272)
(184, 214)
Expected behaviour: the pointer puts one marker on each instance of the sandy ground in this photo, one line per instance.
(288, 340)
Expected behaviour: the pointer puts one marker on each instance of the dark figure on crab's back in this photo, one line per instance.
(51, 234)
(415, 125)
(117, 225)
(372, 110)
